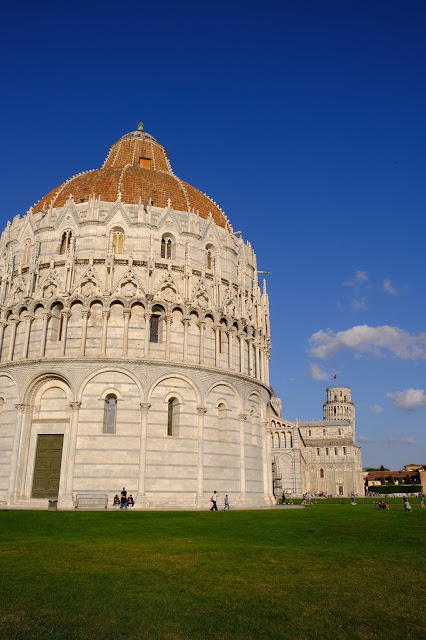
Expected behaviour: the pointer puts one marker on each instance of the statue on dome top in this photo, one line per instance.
(140, 125)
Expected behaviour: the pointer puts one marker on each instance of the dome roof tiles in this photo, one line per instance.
(138, 168)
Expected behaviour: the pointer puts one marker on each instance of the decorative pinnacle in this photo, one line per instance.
(140, 125)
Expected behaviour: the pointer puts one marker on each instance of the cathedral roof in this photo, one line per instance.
(136, 170)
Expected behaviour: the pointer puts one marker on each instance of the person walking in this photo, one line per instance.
(214, 500)
(283, 496)
(407, 506)
(226, 501)
(422, 501)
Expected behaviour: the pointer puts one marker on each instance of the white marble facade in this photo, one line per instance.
(156, 308)
(134, 332)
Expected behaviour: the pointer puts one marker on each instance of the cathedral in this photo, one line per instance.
(134, 351)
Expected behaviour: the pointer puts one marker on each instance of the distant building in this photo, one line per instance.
(411, 474)
(321, 455)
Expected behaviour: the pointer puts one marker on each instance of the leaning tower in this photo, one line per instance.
(338, 405)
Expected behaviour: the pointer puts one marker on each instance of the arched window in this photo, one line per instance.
(309, 432)
(110, 413)
(66, 241)
(209, 256)
(172, 409)
(318, 451)
(335, 451)
(26, 252)
(283, 442)
(117, 240)
(2, 403)
(290, 439)
(156, 324)
(166, 247)
(321, 473)
(340, 432)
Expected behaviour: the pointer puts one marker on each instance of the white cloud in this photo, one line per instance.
(359, 304)
(364, 439)
(378, 341)
(393, 440)
(389, 288)
(376, 408)
(359, 278)
(316, 372)
(409, 399)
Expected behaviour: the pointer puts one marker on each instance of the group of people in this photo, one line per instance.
(125, 501)
(214, 500)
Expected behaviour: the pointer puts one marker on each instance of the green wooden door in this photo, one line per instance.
(47, 468)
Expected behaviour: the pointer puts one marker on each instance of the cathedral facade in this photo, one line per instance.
(320, 456)
(134, 349)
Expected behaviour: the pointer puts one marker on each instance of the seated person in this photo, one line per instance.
(130, 501)
(116, 500)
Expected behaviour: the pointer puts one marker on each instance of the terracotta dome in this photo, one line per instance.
(136, 170)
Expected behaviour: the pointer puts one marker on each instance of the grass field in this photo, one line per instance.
(329, 571)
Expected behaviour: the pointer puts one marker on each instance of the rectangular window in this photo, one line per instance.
(326, 451)
(154, 328)
(335, 451)
(145, 163)
(344, 451)
(318, 451)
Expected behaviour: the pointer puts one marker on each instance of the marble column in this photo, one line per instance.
(201, 324)
(168, 321)
(23, 450)
(126, 316)
(105, 316)
(256, 354)
(185, 322)
(147, 317)
(200, 478)
(11, 488)
(250, 356)
(66, 315)
(85, 315)
(14, 325)
(267, 461)
(241, 337)
(3, 326)
(142, 451)
(28, 321)
(66, 497)
(46, 317)
(230, 348)
(216, 329)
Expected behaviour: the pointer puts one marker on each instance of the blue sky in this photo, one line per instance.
(305, 122)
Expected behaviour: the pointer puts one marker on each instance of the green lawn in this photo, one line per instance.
(326, 572)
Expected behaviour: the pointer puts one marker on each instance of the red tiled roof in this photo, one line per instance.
(122, 173)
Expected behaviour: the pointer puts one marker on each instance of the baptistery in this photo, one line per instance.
(134, 343)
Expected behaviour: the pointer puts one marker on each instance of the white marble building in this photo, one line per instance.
(134, 347)
(320, 455)
(134, 343)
